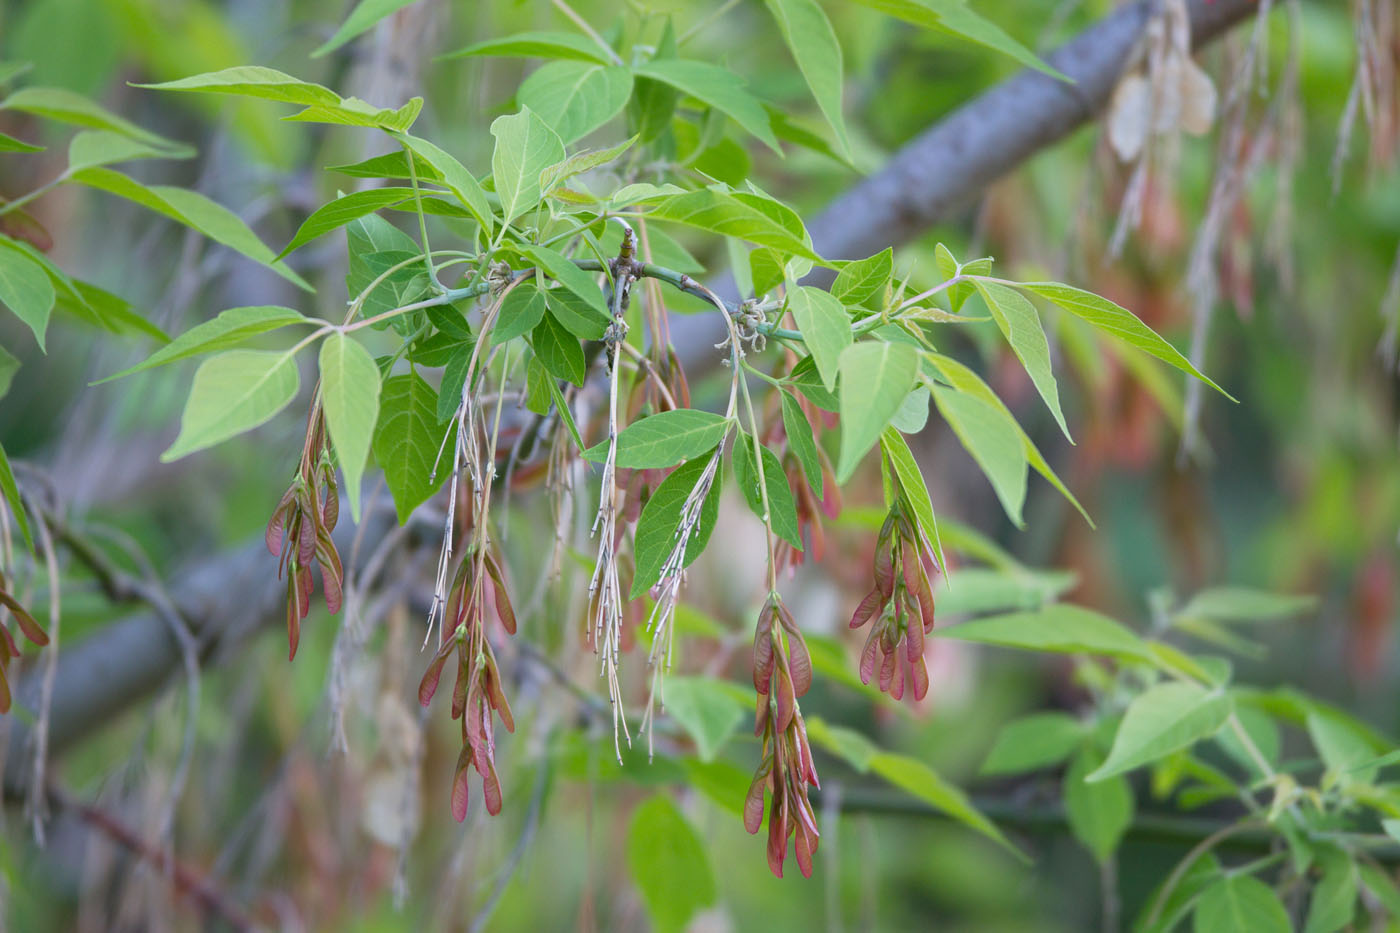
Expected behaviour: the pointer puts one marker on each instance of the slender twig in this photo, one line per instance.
(588, 30)
(188, 882)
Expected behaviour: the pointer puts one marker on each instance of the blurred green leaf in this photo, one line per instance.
(668, 863)
(1160, 720)
(813, 45)
(706, 709)
(575, 98)
(1041, 740)
(363, 18)
(1061, 628)
(1240, 904)
(1099, 812)
(26, 290)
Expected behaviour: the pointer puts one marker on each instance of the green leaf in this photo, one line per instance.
(669, 865)
(455, 176)
(230, 328)
(967, 381)
(564, 45)
(1240, 904)
(1200, 874)
(232, 393)
(193, 210)
(1041, 740)
(782, 511)
(862, 279)
(805, 379)
(574, 97)
(978, 591)
(911, 481)
(748, 216)
(1061, 628)
(361, 19)
(351, 111)
(95, 306)
(91, 148)
(851, 746)
(1238, 603)
(525, 147)
(1020, 325)
(1099, 813)
(341, 211)
(350, 399)
(664, 439)
(520, 312)
(389, 165)
(9, 143)
(322, 104)
(1118, 322)
(1333, 903)
(715, 87)
(585, 161)
(706, 708)
(825, 326)
(588, 322)
(407, 438)
(254, 81)
(1162, 719)
(923, 782)
(12, 497)
(659, 524)
(1381, 886)
(992, 436)
(26, 290)
(1344, 749)
(803, 444)
(954, 18)
(813, 45)
(875, 378)
(913, 412)
(454, 378)
(69, 107)
(558, 350)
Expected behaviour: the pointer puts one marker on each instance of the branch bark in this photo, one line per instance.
(231, 596)
(950, 163)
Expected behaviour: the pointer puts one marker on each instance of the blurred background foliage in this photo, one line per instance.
(1300, 491)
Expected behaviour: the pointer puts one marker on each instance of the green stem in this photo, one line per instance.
(40, 191)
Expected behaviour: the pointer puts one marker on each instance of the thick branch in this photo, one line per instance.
(951, 163)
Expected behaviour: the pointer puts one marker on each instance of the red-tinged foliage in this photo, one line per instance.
(782, 673)
(900, 605)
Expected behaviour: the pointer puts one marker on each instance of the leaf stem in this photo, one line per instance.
(588, 30)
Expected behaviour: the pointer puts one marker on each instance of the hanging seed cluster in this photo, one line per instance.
(900, 605)
(299, 532)
(782, 672)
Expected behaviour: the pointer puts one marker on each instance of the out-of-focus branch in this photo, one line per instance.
(953, 161)
(188, 881)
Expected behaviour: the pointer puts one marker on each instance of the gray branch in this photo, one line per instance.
(232, 596)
